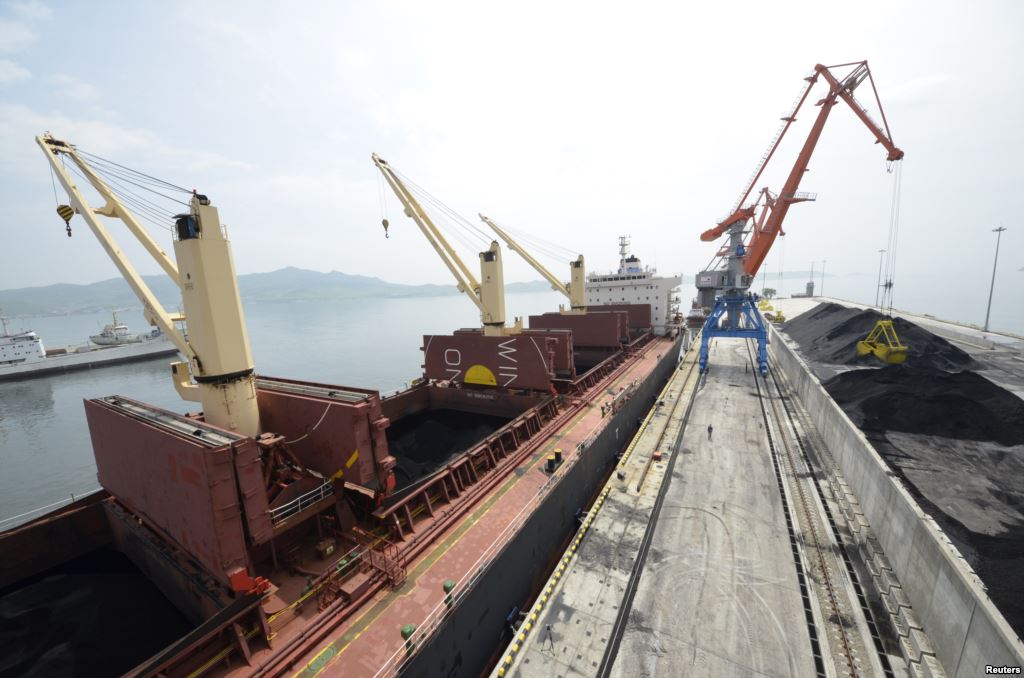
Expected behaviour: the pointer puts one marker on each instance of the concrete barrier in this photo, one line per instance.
(966, 630)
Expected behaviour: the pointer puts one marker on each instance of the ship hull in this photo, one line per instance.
(465, 644)
(115, 355)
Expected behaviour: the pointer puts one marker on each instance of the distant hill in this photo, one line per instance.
(286, 284)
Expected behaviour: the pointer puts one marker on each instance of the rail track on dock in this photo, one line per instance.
(834, 634)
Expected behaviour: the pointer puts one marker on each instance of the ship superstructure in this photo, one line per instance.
(634, 283)
(20, 347)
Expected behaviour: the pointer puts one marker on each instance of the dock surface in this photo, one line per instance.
(712, 561)
(719, 593)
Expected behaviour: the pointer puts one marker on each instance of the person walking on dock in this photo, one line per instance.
(711, 429)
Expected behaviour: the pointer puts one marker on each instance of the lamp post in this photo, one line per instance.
(812, 279)
(999, 235)
(878, 287)
(821, 290)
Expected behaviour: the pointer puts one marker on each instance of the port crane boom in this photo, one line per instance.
(753, 228)
(488, 296)
(575, 290)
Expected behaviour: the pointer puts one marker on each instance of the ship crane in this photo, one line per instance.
(751, 229)
(488, 294)
(575, 290)
(219, 372)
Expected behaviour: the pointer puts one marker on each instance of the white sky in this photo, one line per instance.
(574, 121)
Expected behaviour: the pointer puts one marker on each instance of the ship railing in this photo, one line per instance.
(436, 617)
(11, 522)
(301, 503)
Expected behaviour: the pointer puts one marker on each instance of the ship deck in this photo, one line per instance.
(370, 642)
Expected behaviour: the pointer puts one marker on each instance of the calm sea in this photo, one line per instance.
(45, 451)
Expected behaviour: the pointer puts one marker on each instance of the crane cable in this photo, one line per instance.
(382, 198)
(894, 230)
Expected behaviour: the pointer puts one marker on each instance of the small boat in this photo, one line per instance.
(23, 355)
(115, 334)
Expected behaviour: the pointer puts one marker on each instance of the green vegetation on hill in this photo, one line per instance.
(286, 284)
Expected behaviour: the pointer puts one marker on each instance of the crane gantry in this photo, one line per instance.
(753, 228)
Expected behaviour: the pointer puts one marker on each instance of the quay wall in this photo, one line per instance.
(964, 626)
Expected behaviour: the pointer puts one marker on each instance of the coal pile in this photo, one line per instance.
(426, 441)
(927, 401)
(97, 615)
(830, 332)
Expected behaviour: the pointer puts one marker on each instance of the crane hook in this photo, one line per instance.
(66, 212)
(386, 224)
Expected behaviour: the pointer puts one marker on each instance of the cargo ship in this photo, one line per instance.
(634, 283)
(23, 355)
(324, 529)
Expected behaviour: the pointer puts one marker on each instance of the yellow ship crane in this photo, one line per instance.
(487, 294)
(575, 290)
(219, 368)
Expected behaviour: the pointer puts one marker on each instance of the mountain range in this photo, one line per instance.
(286, 284)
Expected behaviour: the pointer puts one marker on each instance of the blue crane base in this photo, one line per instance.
(736, 309)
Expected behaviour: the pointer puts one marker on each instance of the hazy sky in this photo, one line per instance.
(575, 121)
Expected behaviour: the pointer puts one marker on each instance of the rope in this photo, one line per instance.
(315, 426)
(894, 230)
(551, 248)
(106, 173)
(166, 184)
(53, 183)
(148, 214)
(457, 219)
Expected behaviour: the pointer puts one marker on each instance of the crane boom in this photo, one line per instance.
(488, 297)
(153, 310)
(574, 290)
(752, 228)
(217, 346)
(762, 237)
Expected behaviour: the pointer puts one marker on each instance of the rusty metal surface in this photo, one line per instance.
(53, 539)
(343, 432)
(521, 361)
(604, 330)
(433, 397)
(562, 359)
(249, 475)
(183, 486)
(639, 314)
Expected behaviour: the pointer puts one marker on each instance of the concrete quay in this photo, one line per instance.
(714, 563)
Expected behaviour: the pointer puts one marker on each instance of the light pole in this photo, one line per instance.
(812, 278)
(999, 235)
(821, 291)
(878, 287)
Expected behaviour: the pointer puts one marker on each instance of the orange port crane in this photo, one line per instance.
(753, 228)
